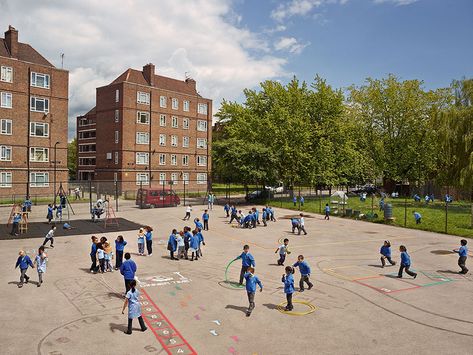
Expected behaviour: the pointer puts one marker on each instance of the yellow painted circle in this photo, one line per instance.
(312, 308)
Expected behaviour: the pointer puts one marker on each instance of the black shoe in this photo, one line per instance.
(301, 290)
(415, 276)
(52, 246)
(20, 285)
(27, 279)
(248, 314)
(310, 287)
(127, 332)
(39, 284)
(399, 276)
(144, 330)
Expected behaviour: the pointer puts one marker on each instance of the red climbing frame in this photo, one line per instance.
(171, 340)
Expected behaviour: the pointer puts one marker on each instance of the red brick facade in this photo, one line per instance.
(166, 137)
(33, 114)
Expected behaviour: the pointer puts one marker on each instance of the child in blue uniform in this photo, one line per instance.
(49, 216)
(327, 212)
(201, 241)
(23, 262)
(205, 218)
(119, 248)
(463, 254)
(141, 241)
(132, 300)
(251, 281)
(194, 246)
(101, 257)
(302, 201)
(294, 200)
(386, 254)
(93, 254)
(264, 217)
(418, 217)
(294, 224)
(149, 239)
(282, 251)
(15, 224)
(288, 280)
(247, 260)
(226, 208)
(405, 263)
(198, 223)
(128, 270)
(304, 268)
(40, 261)
(172, 244)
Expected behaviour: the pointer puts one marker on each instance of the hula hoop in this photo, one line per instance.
(312, 308)
(231, 283)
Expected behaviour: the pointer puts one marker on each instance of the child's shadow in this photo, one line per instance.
(448, 272)
(270, 306)
(119, 327)
(274, 265)
(236, 308)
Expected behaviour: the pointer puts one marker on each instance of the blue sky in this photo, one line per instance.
(230, 45)
(347, 41)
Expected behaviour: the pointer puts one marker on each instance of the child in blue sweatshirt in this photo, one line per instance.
(304, 268)
(288, 280)
(462, 255)
(247, 260)
(327, 212)
(386, 254)
(23, 262)
(194, 246)
(119, 248)
(141, 242)
(251, 281)
(40, 261)
(205, 218)
(201, 241)
(405, 263)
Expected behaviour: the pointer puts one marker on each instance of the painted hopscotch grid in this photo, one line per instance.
(366, 281)
(171, 340)
(350, 272)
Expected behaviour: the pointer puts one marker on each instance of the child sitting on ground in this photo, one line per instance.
(386, 254)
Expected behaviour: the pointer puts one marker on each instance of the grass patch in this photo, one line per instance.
(433, 215)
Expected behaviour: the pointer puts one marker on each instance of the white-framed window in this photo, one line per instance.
(39, 179)
(5, 179)
(162, 101)
(117, 115)
(185, 142)
(162, 139)
(162, 120)
(5, 152)
(142, 158)
(202, 109)
(6, 100)
(162, 159)
(116, 157)
(142, 117)
(162, 178)
(201, 178)
(38, 154)
(6, 75)
(175, 178)
(185, 123)
(202, 160)
(175, 103)
(40, 80)
(6, 126)
(186, 105)
(185, 178)
(202, 125)
(173, 159)
(201, 143)
(185, 160)
(117, 136)
(142, 97)
(39, 104)
(174, 122)
(142, 178)
(174, 141)
(142, 138)
(117, 95)
(39, 129)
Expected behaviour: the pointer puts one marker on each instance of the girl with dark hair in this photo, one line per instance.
(134, 307)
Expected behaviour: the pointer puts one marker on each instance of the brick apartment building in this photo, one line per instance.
(33, 117)
(146, 129)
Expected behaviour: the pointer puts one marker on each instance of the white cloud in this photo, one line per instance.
(101, 39)
(290, 44)
(294, 8)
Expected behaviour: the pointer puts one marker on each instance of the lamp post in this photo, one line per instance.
(55, 164)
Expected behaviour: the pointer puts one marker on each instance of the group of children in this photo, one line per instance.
(252, 219)
(24, 261)
(186, 241)
(298, 223)
(247, 273)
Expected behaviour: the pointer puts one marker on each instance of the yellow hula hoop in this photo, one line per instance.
(312, 308)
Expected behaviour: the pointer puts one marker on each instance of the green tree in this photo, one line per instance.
(72, 159)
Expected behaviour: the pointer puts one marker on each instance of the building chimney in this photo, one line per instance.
(148, 73)
(191, 82)
(11, 39)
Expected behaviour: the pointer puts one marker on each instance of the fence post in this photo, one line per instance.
(405, 211)
(446, 217)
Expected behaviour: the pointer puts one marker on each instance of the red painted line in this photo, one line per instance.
(380, 289)
(368, 277)
(166, 347)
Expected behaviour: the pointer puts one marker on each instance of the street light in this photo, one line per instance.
(55, 163)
